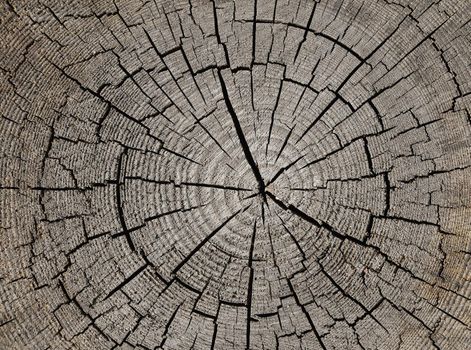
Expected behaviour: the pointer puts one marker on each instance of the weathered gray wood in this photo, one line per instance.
(235, 174)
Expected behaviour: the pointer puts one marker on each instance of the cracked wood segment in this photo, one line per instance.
(235, 174)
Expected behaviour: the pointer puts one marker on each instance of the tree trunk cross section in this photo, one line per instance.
(211, 174)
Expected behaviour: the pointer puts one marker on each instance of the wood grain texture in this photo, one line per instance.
(285, 174)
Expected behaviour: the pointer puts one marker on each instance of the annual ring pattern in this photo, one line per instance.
(265, 174)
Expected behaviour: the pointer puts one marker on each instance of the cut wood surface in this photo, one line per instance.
(269, 175)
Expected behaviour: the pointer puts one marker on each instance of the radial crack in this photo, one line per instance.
(243, 141)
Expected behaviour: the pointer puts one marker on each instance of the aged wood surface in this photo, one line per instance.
(269, 174)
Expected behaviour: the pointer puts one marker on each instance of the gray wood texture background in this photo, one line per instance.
(269, 174)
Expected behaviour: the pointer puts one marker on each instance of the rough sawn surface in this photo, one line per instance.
(269, 174)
